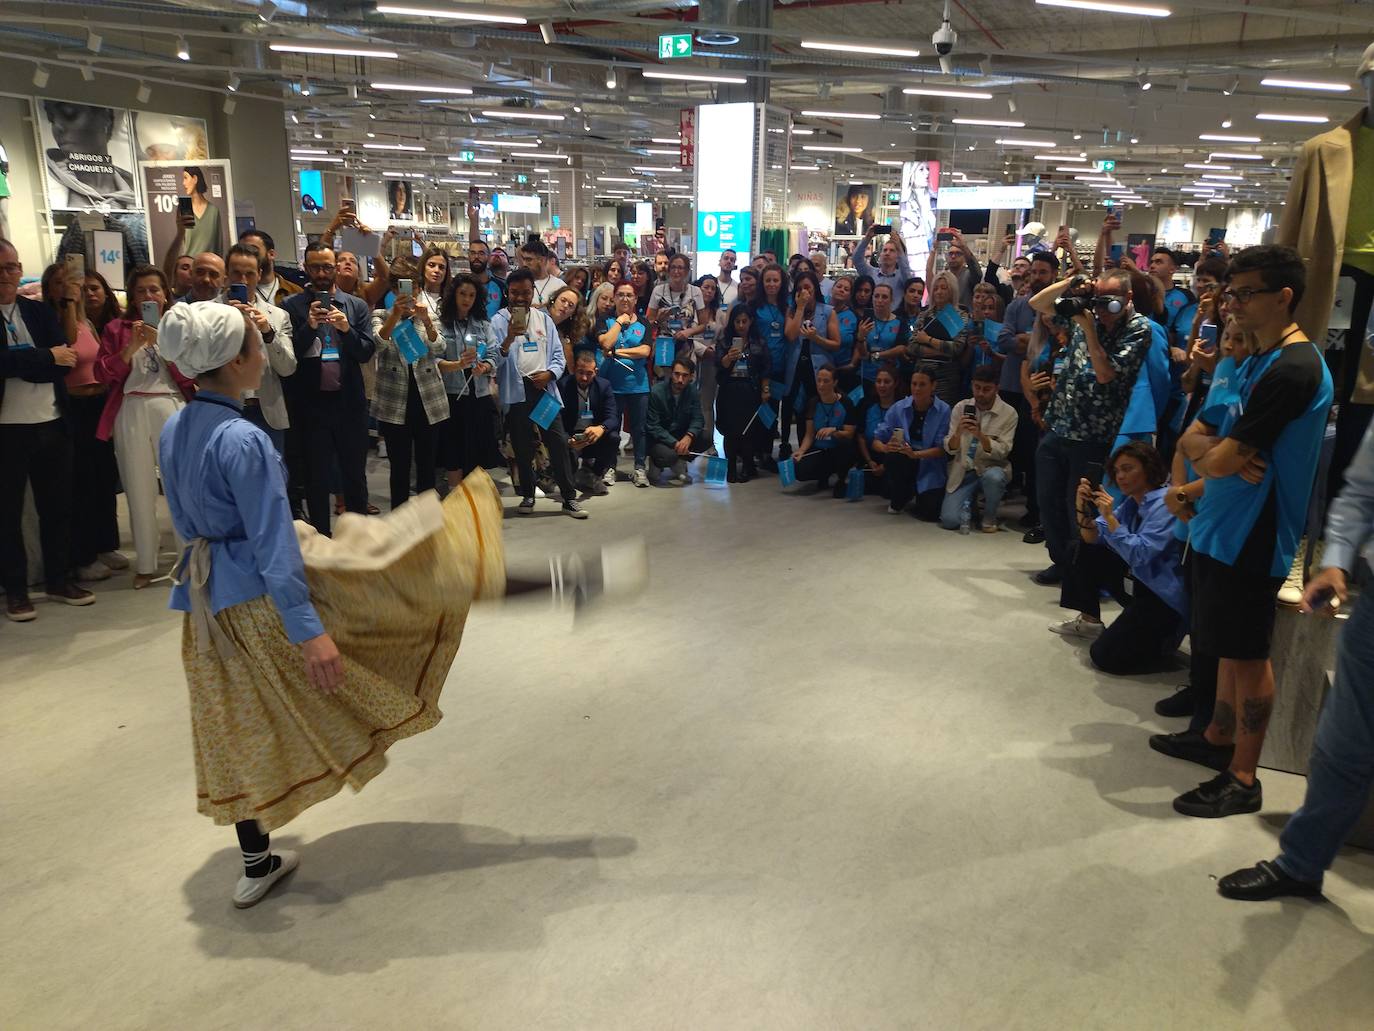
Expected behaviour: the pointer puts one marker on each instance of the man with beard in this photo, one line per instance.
(479, 261)
(271, 288)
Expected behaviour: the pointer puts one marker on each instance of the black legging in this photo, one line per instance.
(1139, 638)
(413, 442)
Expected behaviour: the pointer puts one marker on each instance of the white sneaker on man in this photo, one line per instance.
(640, 478)
(608, 477)
(1079, 626)
(252, 890)
(113, 560)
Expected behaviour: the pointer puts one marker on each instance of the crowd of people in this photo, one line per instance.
(1163, 435)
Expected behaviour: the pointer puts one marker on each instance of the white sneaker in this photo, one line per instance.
(608, 477)
(95, 571)
(1079, 626)
(640, 478)
(251, 890)
(113, 560)
(1290, 594)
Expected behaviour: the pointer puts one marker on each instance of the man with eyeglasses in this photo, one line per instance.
(326, 402)
(1258, 462)
(35, 443)
(1091, 392)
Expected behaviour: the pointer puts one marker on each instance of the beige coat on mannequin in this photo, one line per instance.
(1314, 223)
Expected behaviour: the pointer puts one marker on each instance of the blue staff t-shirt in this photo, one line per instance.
(849, 328)
(836, 415)
(771, 324)
(882, 337)
(1281, 410)
(628, 375)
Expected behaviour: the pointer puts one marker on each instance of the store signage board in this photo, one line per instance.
(1006, 198)
(674, 45)
(724, 183)
(518, 203)
(109, 254)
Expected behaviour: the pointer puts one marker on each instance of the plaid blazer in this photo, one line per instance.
(389, 397)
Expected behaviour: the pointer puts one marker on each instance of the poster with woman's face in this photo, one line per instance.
(88, 156)
(916, 209)
(400, 202)
(170, 137)
(206, 186)
(855, 208)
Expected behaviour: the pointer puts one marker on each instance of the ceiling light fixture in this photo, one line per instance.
(290, 47)
(1025, 143)
(614, 179)
(664, 139)
(183, 51)
(1056, 157)
(233, 84)
(455, 13)
(998, 123)
(821, 149)
(1109, 7)
(306, 151)
(546, 33)
(842, 114)
(538, 116)
(937, 91)
(1236, 157)
(1208, 167)
(1312, 84)
(695, 77)
(94, 41)
(1276, 116)
(1144, 80)
(858, 48)
(393, 146)
(420, 87)
(517, 144)
(610, 77)
(1221, 175)
(1218, 138)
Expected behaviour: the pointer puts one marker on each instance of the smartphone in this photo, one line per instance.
(882, 230)
(1011, 229)
(1215, 236)
(151, 312)
(1092, 472)
(76, 267)
(1118, 251)
(405, 287)
(519, 316)
(970, 411)
(238, 292)
(322, 297)
(944, 236)
(1208, 333)
(184, 207)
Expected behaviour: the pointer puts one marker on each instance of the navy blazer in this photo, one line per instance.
(36, 366)
(599, 395)
(356, 348)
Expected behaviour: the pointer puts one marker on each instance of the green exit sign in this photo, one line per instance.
(675, 46)
(1108, 166)
(522, 179)
(467, 155)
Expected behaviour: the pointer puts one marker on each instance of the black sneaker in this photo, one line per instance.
(1223, 795)
(1029, 522)
(1263, 881)
(1048, 577)
(1035, 535)
(1180, 703)
(526, 507)
(572, 508)
(1192, 747)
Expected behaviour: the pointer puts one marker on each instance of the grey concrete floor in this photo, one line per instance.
(829, 772)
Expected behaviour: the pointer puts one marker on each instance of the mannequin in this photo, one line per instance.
(1329, 220)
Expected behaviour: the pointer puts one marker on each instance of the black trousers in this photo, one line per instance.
(410, 446)
(522, 430)
(1023, 447)
(664, 456)
(334, 432)
(95, 484)
(822, 463)
(1060, 464)
(803, 386)
(40, 455)
(596, 458)
(1138, 640)
(901, 487)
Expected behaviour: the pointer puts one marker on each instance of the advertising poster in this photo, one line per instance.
(212, 202)
(310, 184)
(400, 201)
(856, 206)
(170, 137)
(88, 156)
(916, 209)
(599, 240)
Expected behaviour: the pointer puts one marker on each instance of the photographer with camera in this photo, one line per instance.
(1090, 395)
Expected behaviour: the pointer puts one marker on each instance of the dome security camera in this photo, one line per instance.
(944, 39)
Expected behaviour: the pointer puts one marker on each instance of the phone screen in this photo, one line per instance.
(1011, 229)
(944, 235)
(184, 206)
(970, 411)
(882, 230)
(1092, 472)
(1208, 334)
(238, 292)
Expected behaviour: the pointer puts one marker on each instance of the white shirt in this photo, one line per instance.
(689, 298)
(267, 292)
(25, 403)
(545, 288)
(728, 289)
(531, 360)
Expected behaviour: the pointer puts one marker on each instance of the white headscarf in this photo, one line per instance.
(199, 338)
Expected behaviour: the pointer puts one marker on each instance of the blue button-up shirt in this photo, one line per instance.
(1350, 523)
(225, 482)
(1020, 318)
(1145, 540)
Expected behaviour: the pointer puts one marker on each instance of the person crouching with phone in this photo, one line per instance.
(1127, 543)
(592, 421)
(979, 445)
(912, 443)
(145, 391)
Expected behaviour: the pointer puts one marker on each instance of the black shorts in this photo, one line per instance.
(1233, 610)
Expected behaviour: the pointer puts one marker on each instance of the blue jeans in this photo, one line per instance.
(636, 409)
(993, 484)
(1059, 465)
(1342, 764)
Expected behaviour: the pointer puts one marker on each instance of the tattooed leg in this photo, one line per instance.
(1222, 729)
(1255, 697)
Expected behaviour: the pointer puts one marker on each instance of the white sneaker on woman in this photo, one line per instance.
(251, 890)
(1079, 626)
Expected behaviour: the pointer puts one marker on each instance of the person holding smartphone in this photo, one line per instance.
(626, 352)
(979, 444)
(813, 335)
(894, 267)
(265, 406)
(880, 336)
(743, 370)
(912, 442)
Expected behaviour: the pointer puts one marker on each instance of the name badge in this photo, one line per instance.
(329, 354)
(529, 345)
(21, 347)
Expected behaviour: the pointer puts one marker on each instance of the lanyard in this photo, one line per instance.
(11, 323)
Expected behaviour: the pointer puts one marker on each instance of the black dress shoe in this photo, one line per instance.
(1049, 576)
(1263, 881)
(1180, 703)
(1035, 535)
(1223, 795)
(1191, 746)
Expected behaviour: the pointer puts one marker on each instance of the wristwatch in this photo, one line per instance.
(1181, 496)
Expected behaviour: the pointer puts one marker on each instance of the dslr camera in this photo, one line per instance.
(1077, 299)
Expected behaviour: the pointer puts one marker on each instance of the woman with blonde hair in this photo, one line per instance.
(944, 349)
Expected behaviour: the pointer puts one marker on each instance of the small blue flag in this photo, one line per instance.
(991, 331)
(408, 342)
(951, 318)
(716, 470)
(545, 412)
(776, 390)
(854, 485)
(665, 350)
(787, 472)
(856, 396)
(767, 416)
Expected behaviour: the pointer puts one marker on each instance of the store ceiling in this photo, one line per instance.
(1073, 77)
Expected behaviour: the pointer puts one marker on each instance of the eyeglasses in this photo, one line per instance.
(319, 268)
(12, 269)
(1243, 295)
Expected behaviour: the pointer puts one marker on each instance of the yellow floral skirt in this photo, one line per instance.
(394, 595)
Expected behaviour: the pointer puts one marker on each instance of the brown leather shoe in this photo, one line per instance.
(71, 594)
(20, 609)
